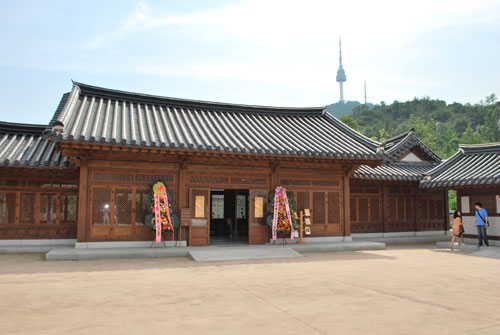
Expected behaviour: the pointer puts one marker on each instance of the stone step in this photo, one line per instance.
(226, 254)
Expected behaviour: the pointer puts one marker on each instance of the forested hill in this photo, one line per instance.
(340, 108)
(439, 125)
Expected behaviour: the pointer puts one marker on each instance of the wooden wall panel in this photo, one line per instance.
(30, 208)
(366, 208)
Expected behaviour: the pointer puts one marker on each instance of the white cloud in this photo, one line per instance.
(295, 43)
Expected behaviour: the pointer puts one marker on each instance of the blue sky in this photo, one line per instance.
(282, 53)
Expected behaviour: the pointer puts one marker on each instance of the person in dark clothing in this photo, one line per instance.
(481, 223)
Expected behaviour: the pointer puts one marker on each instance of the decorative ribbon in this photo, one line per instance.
(160, 191)
(281, 191)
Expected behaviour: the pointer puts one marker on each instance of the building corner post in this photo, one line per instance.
(348, 170)
(82, 229)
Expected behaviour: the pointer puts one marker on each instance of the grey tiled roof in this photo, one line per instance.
(472, 165)
(394, 171)
(98, 115)
(397, 146)
(23, 145)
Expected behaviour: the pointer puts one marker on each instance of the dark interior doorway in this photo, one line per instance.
(228, 216)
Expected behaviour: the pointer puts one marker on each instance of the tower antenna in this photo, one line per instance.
(341, 77)
(365, 92)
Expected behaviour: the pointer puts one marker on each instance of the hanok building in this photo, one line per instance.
(474, 172)
(85, 176)
(386, 201)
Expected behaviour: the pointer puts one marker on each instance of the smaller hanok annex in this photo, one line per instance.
(86, 174)
(474, 172)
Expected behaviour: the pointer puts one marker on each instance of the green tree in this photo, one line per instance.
(349, 120)
(469, 136)
(439, 125)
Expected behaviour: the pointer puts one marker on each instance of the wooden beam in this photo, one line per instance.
(347, 206)
(82, 229)
(385, 209)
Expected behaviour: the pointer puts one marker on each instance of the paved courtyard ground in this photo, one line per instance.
(402, 290)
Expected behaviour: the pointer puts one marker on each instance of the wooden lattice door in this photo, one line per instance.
(199, 202)
(258, 230)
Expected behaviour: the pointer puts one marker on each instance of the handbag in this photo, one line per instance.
(462, 230)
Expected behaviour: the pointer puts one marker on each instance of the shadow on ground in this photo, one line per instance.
(12, 264)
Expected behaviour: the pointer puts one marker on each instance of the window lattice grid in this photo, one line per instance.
(7, 207)
(69, 208)
(123, 206)
(101, 203)
(141, 210)
(48, 208)
(27, 208)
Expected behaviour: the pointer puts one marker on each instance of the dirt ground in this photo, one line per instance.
(405, 290)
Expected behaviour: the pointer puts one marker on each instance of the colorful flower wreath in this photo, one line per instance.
(150, 219)
(283, 224)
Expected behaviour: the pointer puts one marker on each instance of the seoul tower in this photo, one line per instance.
(341, 73)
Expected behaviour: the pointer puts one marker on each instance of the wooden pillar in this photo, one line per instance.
(182, 185)
(82, 225)
(347, 206)
(182, 190)
(385, 207)
(446, 210)
(417, 210)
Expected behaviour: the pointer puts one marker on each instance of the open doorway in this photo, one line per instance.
(228, 216)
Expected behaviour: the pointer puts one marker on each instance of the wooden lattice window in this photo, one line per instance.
(69, 208)
(423, 209)
(354, 212)
(7, 207)
(374, 208)
(27, 208)
(392, 202)
(141, 210)
(123, 206)
(295, 182)
(409, 209)
(113, 176)
(101, 206)
(209, 180)
(319, 207)
(248, 181)
(432, 209)
(363, 209)
(333, 207)
(303, 200)
(151, 178)
(357, 189)
(316, 182)
(48, 208)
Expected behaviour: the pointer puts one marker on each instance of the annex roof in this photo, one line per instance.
(472, 165)
(104, 116)
(399, 145)
(394, 171)
(23, 145)
(393, 168)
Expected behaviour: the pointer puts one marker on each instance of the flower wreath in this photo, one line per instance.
(150, 219)
(283, 224)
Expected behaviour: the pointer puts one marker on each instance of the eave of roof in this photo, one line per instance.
(23, 145)
(402, 144)
(398, 171)
(471, 165)
(98, 115)
(21, 128)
